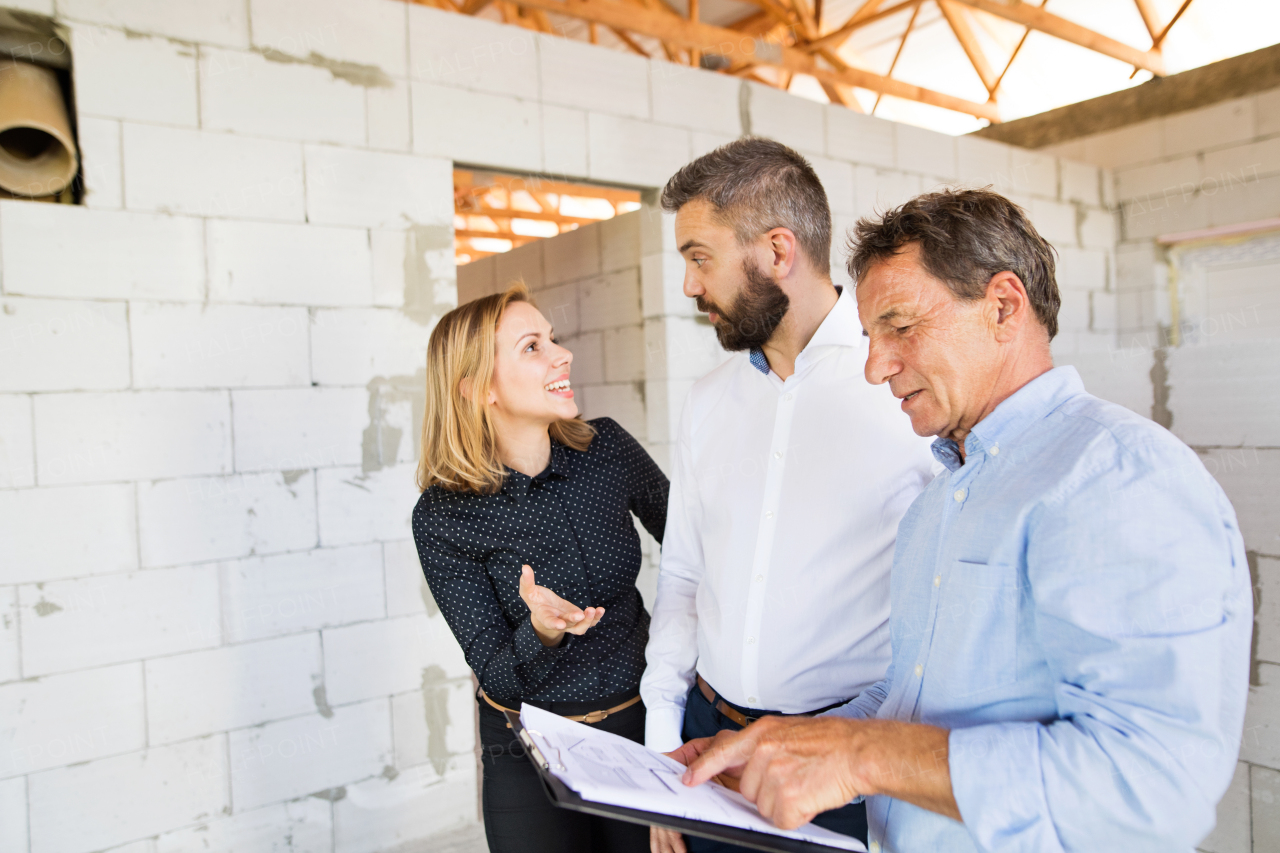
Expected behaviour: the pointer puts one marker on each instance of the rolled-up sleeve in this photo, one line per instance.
(1142, 604)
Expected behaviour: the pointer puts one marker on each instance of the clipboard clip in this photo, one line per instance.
(529, 743)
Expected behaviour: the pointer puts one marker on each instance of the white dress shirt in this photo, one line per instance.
(785, 502)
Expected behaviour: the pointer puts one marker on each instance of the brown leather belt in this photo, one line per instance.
(737, 716)
(593, 717)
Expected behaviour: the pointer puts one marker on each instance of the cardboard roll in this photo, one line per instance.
(37, 151)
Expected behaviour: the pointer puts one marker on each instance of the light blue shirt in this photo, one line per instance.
(1072, 601)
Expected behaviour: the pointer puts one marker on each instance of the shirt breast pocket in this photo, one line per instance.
(979, 627)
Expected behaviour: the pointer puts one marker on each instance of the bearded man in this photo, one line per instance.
(790, 474)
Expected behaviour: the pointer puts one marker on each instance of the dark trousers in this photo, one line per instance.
(701, 719)
(518, 814)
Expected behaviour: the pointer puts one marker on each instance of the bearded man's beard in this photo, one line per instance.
(755, 314)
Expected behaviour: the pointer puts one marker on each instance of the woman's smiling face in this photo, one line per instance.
(530, 370)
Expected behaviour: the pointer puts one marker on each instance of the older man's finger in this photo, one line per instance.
(729, 750)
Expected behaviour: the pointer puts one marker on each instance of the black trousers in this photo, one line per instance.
(701, 719)
(518, 815)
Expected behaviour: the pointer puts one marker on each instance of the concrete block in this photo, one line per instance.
(624, 403)
(61, 345)
(291, 429)
(476, 127)
(288, 593)
(572, 255)
(273, 263)
(221, 518)
(681, 348)
(860, 139)
(201, 346)
(246, 92)
(657, 231)
(588, 357)
(662, 286)
(1267, 609)
(1136, 315)
(212, 174)
(233, 687)
(1145, 218)
(1108, 187)
(1267, 113)
(40, 546)
(10, 652)
(1232, 834)
(1265, 789)
(1121, 376)
(407, 590)
(129, 796)
(127, 76)
(434, 723)
(100, 163)
(17, 450)
(1247, 202)
(477, 279)
(365, 507)
(1261, 740)
(1224, 394)
(304, 826)
(925, 151)
(76, 624)
(576, 74)
(1244, 475)
(352, 346)
(796, 122)
(837, 179)
(523, 263)
(221, 22)
(388, 115)
(366, 36)
(309, 755)
(1073, 316)
(610, 301)
(1103, 314)
(357, 667)
(620, 240)
(880, 191)
(1080, 183)
(1239, 164)
(472, 53)
(634, 153)
(981, 162)
(696, 99)
(1082, 269)
(704, 143)
(1097, 228)
(389, 252)
(1126, 146)
(1032, 173)
(624, 354)
(1055, 221)
(48, 723)
(101, 254)
(1209, 127)
(564, 141)
(385, 813)
(1168, 179)
(13, 808)
(133, 436)
(378, 189)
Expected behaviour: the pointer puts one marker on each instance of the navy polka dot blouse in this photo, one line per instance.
(572, 524)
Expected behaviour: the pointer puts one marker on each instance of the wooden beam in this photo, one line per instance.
(695, 55)
(511, 213)
(1017, 49)
(629, 42)
(470, 7)
(958, 20)
(915, 13)
(869, 13)
(1050, 24)
(1149, 17)
(1159, 40)
(739, 47)
(516, 239)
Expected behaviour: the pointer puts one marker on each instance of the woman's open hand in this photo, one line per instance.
(551, 615)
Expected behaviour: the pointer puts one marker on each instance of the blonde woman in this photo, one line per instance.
(525, 535)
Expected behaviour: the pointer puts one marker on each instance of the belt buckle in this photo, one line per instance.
(595, 716)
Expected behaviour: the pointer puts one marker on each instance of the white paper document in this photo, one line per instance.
(606, 768)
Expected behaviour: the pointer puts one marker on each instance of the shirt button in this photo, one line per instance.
(875, 847)
(768, 514)
(919, 670)
(777, 454)
(959, 495)
(751, 641)
(937, 580)
(789, 397)
(995, 450)
(752, 700)
(759, 578)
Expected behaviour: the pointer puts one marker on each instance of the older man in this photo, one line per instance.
(1071, 610)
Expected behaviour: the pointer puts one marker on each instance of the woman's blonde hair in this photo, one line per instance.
(459, 440)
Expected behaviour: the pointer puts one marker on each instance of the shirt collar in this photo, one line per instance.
(840, 328)
(1030, 403)
(517, 485)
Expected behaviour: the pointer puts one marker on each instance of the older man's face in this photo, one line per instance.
(937, 353)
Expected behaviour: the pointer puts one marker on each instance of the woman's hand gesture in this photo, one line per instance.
(551, 615)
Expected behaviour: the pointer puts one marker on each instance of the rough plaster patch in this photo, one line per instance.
(1160, 387)
(430, 273)
(368, 76)
(45, 608)
(321, 698)
(331, 794)
(291, 477)
(396, 403)
(744, 107)
(435, 707)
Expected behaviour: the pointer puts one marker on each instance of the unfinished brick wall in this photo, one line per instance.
(213, 628)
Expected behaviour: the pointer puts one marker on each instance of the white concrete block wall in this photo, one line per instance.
(207, 411)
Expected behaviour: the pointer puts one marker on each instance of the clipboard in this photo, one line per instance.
(563, 797)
